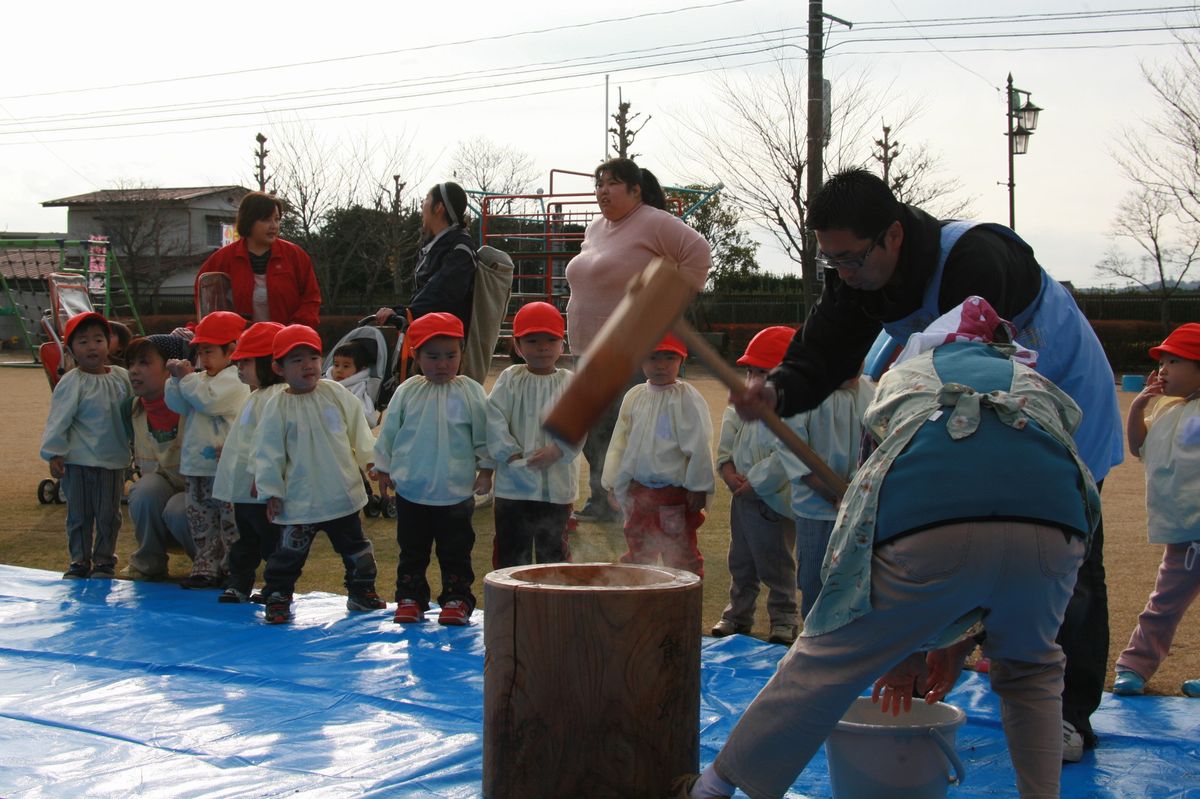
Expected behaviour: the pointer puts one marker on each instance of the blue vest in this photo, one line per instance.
(997, 472)
(1069, 354)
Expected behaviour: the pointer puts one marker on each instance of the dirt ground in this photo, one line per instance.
(32, 534)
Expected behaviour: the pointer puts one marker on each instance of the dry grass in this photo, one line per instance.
(32, 534)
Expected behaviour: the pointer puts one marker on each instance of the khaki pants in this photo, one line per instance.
(1022, 574)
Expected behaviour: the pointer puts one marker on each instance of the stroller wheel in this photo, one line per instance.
(60, 494)
(47, 491)
(372, 508)
(389, 508)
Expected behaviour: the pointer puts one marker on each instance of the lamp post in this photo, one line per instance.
(1025, 115)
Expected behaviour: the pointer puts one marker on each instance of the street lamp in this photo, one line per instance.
(1025, 115)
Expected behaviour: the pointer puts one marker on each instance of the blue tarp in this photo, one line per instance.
(113, 688)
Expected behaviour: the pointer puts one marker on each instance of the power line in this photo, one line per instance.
(415, 49)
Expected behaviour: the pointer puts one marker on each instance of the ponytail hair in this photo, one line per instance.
(629, 173)
(453, 198)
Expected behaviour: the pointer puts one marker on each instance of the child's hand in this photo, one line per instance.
(945, 666)
(274, 508)
(516, 456)
(545, 457)
(384, 479)
(696, 501)
(613, 502)
(483, 482)
(734, 481)
(1154, 388)
(179, 368)
(58, 467)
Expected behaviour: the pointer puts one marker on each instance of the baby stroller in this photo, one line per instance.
(68, 297)
(381, 365)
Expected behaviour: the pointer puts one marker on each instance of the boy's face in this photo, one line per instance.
(756, 374)
(300, 369)
(148, 373)
(1180, 376)
(439, 358)
(343, 367)
(212, 358)
(662, 368)
(248, 372)
(541, 351)
(89, 347)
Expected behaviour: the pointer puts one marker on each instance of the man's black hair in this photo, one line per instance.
(854, 200)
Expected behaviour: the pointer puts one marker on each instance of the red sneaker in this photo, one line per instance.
(408, 612)
(455, 613)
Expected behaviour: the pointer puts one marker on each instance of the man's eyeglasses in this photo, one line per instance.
(851, 262)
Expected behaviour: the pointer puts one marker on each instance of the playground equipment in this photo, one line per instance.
(26, 267)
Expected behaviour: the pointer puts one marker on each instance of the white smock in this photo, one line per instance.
(209, 405)
(84, 427)
(515, 410)
(750, 447)
(308, 451)
(433, 439)
(663, 437)
(358, 385)
(834, 431)
(1171, 454)
(235, 470)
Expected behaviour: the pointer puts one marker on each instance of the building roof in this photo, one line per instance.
(28, 264)
(139, 195)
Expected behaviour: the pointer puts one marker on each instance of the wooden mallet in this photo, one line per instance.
(653, 304)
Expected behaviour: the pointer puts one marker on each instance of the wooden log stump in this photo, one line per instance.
(591, 680)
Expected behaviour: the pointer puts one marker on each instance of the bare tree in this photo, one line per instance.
(361, 186)
(914, 174)
(149, 235)
(492, 168)
(623, 133)
(1163, 153)
(1145, 219)
(754, 140)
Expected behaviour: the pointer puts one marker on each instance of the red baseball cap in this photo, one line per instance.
(767, 347)
(538, 317)
(293, 336)
(1184, 341)
(75, 321)
(672, 344)
(432, 325)
(219, 327)
(258, 340)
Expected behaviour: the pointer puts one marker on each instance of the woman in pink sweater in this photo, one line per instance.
(633, 228)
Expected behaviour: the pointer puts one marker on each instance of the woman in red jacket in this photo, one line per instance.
(272, 279)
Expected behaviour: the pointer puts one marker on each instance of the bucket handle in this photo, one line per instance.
(960, 773)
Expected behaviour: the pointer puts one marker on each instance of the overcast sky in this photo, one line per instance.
(72, 64)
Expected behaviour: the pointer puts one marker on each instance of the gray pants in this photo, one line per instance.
(1022, 574)
(760, 550)
(812, 539)
(93, 502)
(159, 521)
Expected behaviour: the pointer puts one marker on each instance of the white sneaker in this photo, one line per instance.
(484, 500)
(1072, 743)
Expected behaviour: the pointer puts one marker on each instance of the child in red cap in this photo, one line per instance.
(87, 446)
(659, 468)
(537, 477)
(1168, 442)
(762, 529)
(432, 450)
(234, 483)
(208, 400)
(312, 440)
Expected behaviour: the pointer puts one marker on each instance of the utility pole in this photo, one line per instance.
(260, 173)
(816, 144)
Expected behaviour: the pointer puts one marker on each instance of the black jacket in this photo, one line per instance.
(845, 321)
(445, 278)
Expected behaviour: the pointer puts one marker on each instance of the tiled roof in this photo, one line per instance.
(143, 195)
(28, 264)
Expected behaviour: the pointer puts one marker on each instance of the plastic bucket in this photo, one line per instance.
(873, 755)
(1133, 383)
